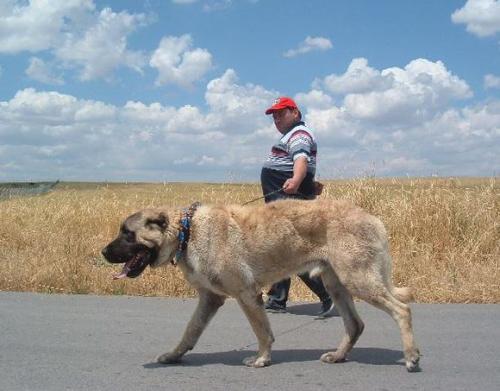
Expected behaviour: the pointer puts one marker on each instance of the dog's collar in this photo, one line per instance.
(184, 231)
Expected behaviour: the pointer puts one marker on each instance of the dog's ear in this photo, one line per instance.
(161, 221)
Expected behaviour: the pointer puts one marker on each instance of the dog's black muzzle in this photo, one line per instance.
(135, 256)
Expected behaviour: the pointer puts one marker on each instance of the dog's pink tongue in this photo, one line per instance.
(123, 273)
(119, 276)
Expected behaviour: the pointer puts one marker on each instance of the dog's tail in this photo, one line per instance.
(403, 294)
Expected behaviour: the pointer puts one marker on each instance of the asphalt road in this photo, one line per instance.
(59, 342)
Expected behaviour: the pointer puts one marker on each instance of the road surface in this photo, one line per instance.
(63, 342)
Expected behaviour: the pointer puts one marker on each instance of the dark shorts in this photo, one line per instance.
(272, 180)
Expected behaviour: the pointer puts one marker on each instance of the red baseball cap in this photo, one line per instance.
(282, 102)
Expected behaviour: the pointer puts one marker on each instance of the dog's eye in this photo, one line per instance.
(129, 235)
(160, 223)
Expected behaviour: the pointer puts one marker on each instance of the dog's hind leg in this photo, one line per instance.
(208, 305)
(252, 305)
(345, 306)
(401, 313)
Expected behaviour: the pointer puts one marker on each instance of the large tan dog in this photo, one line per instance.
(235, 251)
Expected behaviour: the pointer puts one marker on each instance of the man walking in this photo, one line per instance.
(289, 172)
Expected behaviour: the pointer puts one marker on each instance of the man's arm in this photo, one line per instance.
(291, 186)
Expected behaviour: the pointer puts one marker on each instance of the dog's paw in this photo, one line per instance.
(169, 358)
(257, 362)
(412, 361)
(332, 357)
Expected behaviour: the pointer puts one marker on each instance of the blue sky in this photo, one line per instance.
(175, 90)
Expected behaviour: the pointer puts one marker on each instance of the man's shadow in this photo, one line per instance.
(311, 309)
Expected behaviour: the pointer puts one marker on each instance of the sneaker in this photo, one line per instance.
(327, 309)
(274, 307)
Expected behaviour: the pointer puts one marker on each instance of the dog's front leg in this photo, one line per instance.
(252, 305)
(208, 305)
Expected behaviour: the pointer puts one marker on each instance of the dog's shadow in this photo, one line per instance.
(372, 356)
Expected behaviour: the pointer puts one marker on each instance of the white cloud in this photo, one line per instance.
(206, 160)
(235, 108)
(177, 63)
(404, 124)
(184, 1)
(482, 17)
(358, 78)
(30, 106)
(49, 135)
(187, 119)
(396, 95)
(54, 135)
(468, 138)
(333, 125)
(226, 96)
(491, 81)
(94, 43)
(314, 99)
(216, 5)
(153, 114)
(308, 45)
(453, 142)
(39, 24)
(211, 5)
(40, 71)
(103, 46)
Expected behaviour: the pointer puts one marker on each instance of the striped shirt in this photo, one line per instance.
(297, 142)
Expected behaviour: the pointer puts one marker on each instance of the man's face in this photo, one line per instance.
(285, 118)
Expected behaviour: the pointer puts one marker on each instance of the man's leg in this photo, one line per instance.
(316, 285)
(278, 296)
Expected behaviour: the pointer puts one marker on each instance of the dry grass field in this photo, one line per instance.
(445, 235)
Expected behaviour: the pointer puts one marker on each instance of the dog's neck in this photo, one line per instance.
(184, 231)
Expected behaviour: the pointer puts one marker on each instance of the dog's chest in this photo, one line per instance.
(200, 277)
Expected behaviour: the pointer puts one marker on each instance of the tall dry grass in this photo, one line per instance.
(445, 235)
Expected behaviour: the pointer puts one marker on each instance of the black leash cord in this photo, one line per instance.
(268, 194)
(264, 196)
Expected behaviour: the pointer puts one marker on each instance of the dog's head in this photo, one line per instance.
(143, 240)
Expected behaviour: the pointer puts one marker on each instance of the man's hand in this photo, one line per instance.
(291, 186)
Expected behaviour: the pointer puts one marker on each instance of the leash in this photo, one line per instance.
(264, 196)
(288, 331)
(274, 192)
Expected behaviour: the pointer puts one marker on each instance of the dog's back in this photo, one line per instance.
(287, 237)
